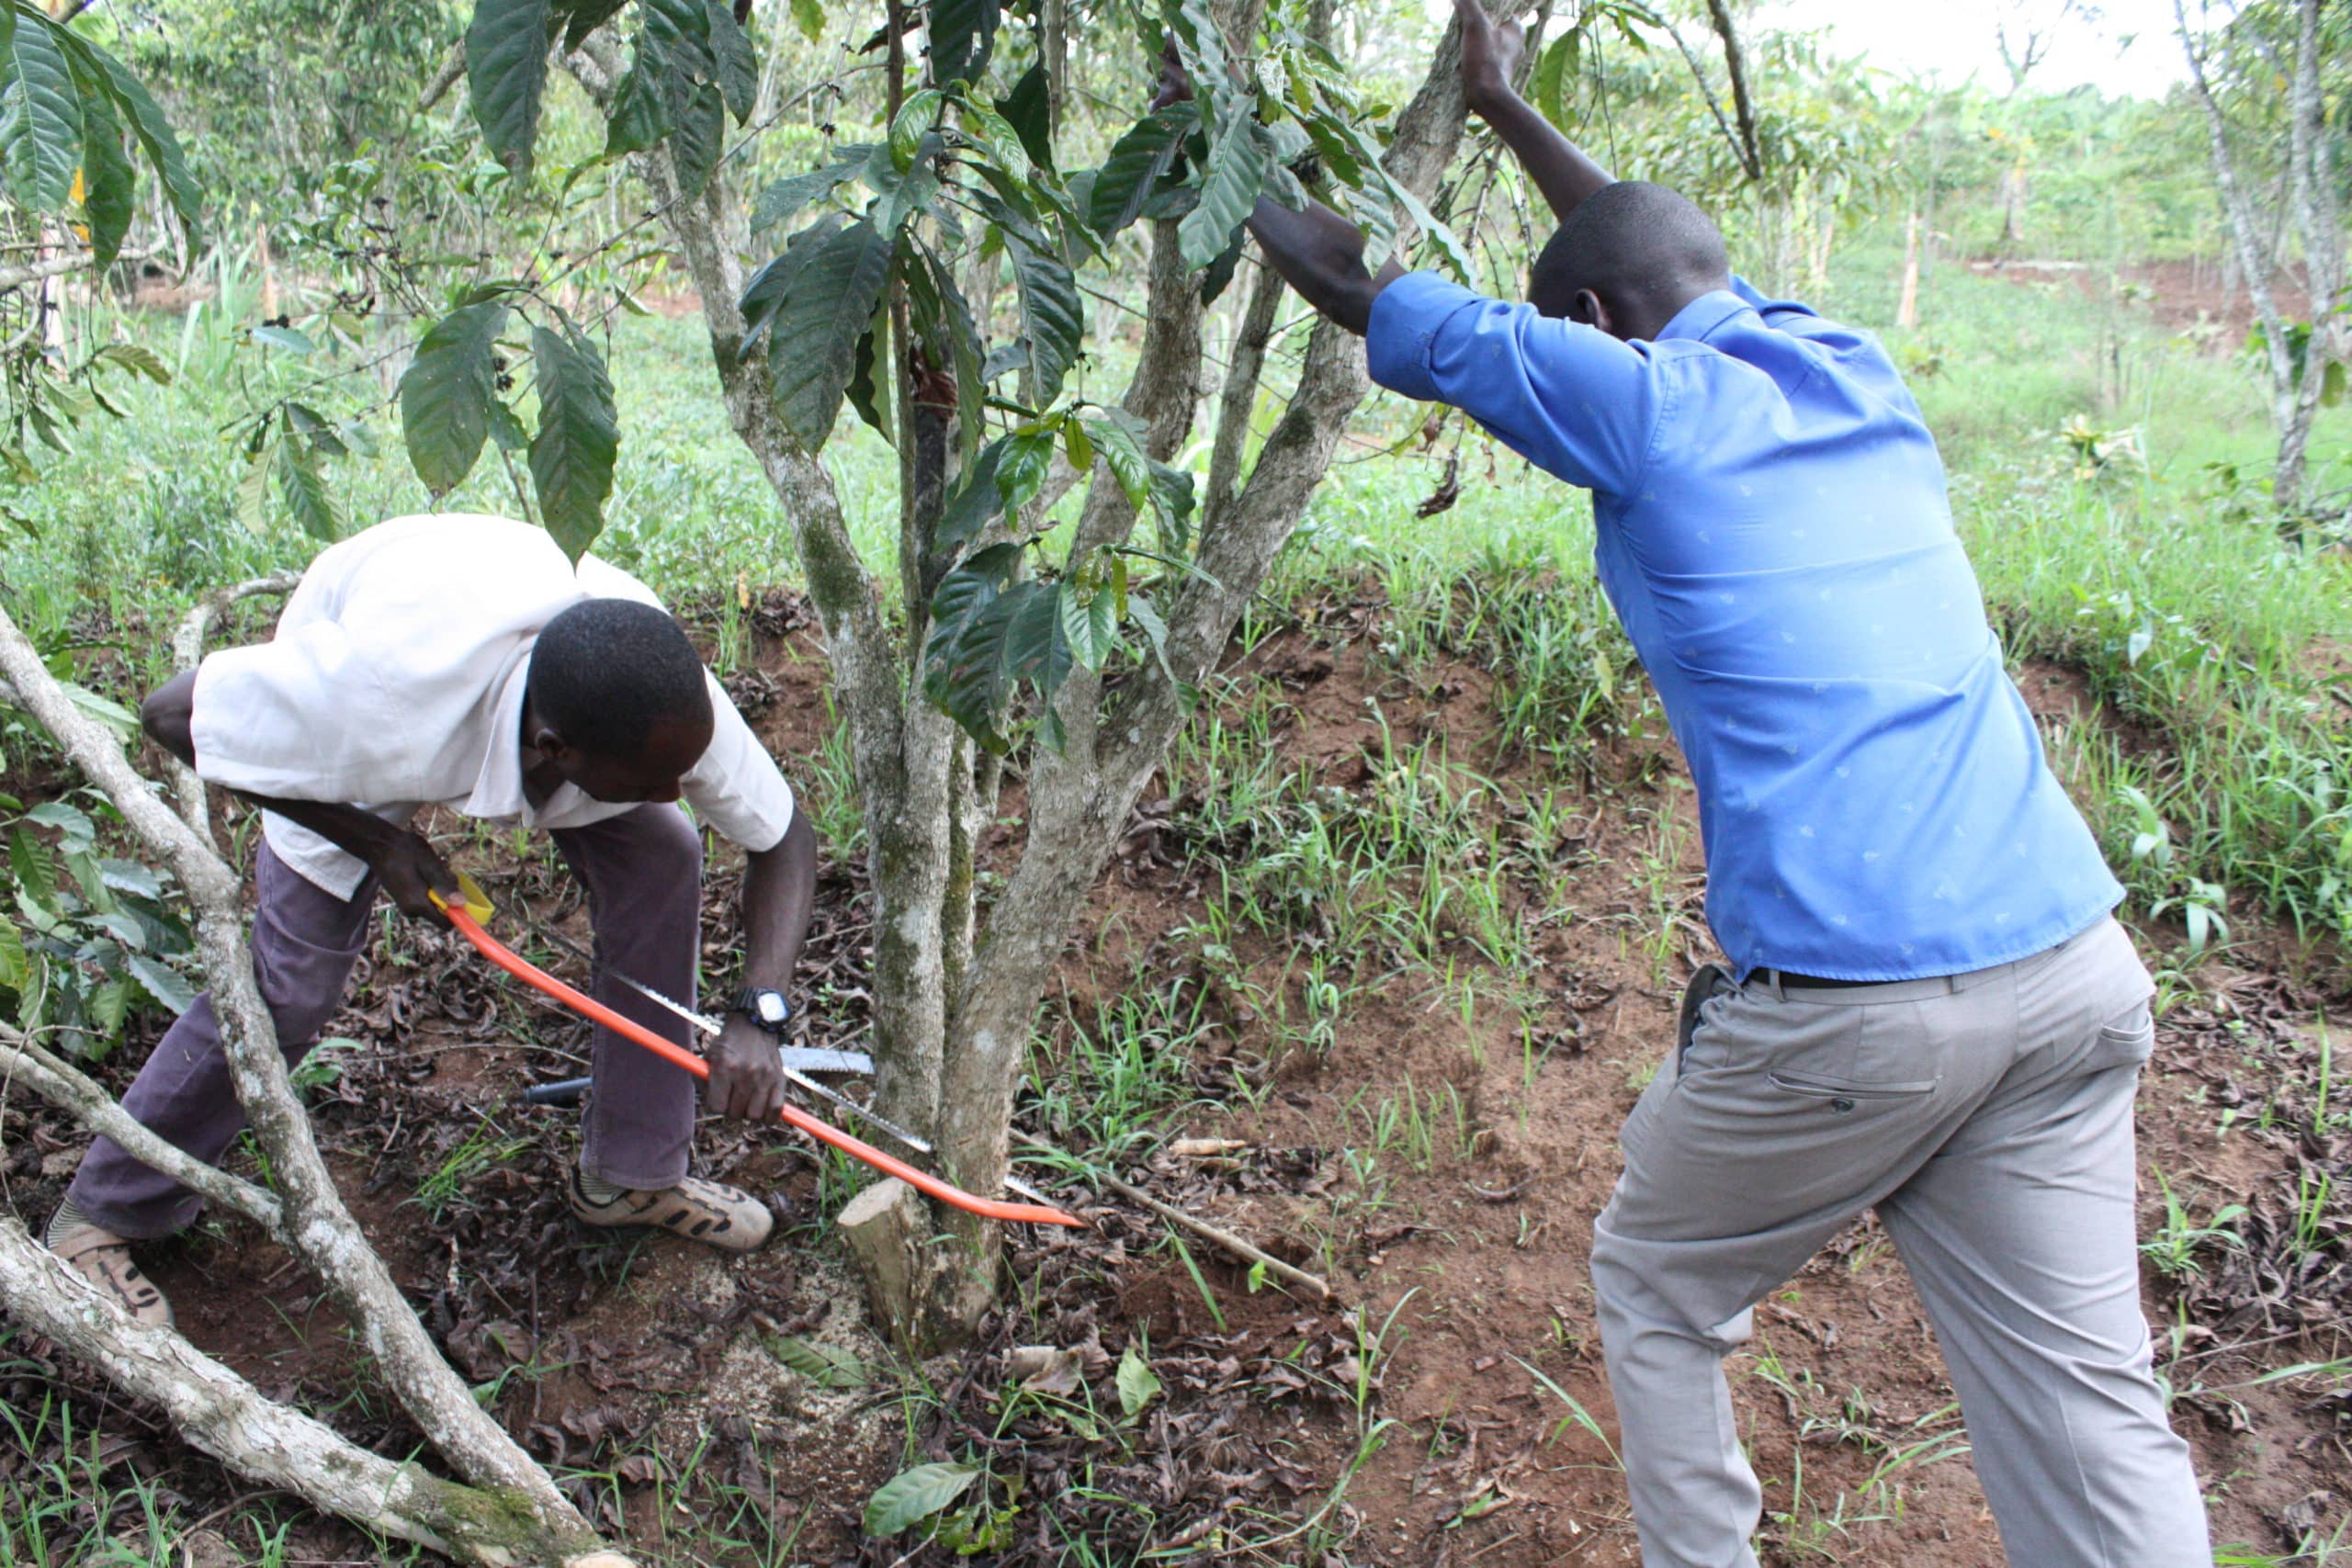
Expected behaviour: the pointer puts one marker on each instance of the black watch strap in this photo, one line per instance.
(766, 1008)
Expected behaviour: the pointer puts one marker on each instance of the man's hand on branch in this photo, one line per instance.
(1491, 57)
(410, 870)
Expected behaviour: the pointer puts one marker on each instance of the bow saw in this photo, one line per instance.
(467, 917)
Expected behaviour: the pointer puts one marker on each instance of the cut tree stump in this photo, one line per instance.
(886, 1229)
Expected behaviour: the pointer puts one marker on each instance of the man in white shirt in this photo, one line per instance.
(462, 662)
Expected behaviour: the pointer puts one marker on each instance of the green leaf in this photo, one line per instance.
(698, 135)
(135, 360)
(1218, 274)
(34, 869)
(1457, 260)
(130, 876)
(69, 820)
(865, 393)
(110, 1004)
(287, 338)
(302, 485)
(809, 15)
(1139, 160)
(943, 318)
(962, 34)
(1079, 445)
(913, 1496)
(2331, 384)
(40, 116)
(995, 133)
(578, 18)
(1052, 315)
(787, 196)
(253, 496)
(1136, 1386)
(447, 393)
(1173, 502)
(966, 660)
(1021, 465)
(974, 506)
(1155, 631)
(506, 72)
(1089, 622)
(738, 70)
(148, 125)
(101, 710)
(310, 425)
(1548, 86)
(579, 438)
(918, 117)
(820, 1364)
(1115, 436)
(1229, 186)
(812, 343)
(1028, 109)
(16, 966)
(161, 981)
(639, 116)
(506, 430)
(109, 185)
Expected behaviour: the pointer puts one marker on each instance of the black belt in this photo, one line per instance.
(1811, 982)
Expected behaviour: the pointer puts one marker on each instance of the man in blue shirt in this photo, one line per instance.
(1927, 1010)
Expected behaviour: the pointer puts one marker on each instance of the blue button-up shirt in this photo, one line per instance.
(1773, 529)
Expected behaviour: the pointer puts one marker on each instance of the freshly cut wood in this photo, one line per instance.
(885, 1227)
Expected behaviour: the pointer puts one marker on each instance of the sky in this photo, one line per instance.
(1950, 40)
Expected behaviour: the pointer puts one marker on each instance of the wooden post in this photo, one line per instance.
(1906, 314)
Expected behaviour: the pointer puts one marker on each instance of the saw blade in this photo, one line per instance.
(806, 1059)
(845, 1103)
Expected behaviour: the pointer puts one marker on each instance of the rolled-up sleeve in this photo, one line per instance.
(1571, 399)
(736, 788)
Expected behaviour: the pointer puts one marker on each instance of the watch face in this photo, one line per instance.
(772, 1009)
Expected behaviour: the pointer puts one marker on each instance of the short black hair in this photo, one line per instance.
(1630, 242)
(605, 671)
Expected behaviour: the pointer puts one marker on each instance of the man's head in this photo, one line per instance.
(618, 703)
(1629, 257)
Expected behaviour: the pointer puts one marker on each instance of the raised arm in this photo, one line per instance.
(1490, 58)
(1320, 255)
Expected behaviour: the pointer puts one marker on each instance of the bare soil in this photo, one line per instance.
(2185, 297)
(1403, 1423)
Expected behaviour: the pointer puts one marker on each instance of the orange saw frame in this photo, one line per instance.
(467, 917)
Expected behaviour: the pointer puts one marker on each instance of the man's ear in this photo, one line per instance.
(550, 745)
(1587, 309)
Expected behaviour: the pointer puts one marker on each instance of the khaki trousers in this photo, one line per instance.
(1987, 1119)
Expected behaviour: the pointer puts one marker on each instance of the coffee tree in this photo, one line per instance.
(869, 281)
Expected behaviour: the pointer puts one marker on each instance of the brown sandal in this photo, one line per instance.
(104, 1259)
(708, 1212)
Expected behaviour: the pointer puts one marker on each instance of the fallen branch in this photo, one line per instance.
(1176, 1216)
(66, 1086)
(226, 1416)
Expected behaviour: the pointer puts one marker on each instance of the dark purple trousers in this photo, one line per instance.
(643, 871)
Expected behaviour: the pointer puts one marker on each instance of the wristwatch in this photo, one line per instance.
(765, 1007)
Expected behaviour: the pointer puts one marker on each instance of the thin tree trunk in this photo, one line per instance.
(2315, 203)
(1238, 403)
(2255, 267)
(1751, 154)
(1080, 800)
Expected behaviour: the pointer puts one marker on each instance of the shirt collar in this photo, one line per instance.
(1703, 315)
(498, 790)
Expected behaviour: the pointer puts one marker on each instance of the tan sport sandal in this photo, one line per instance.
(104, 1259)
(708, 1212)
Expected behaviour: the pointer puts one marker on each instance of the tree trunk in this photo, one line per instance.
(1238, 402)
(1080, 800)
(2255, 265)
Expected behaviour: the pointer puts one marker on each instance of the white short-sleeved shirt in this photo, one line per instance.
(396, 681)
